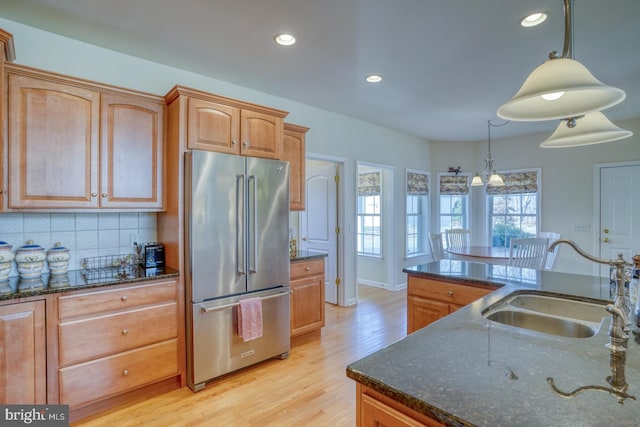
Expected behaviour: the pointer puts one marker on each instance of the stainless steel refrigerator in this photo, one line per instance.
(237, 243)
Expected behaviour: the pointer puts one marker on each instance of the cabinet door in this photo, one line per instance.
(213, 127)
(293, 151)
(262, 135)
(53, 143)
(23, 354)
(307, 304)
(131, 153)
(421, 312)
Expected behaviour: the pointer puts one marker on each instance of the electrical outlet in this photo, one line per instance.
(133, 239)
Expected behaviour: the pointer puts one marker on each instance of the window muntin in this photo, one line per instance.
(453, 201)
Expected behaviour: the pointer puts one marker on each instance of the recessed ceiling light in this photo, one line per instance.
(374, 78)
(285, 39)
(534, 19)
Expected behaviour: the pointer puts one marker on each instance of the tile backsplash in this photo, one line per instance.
(84, 234)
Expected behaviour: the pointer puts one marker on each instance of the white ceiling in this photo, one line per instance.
(447, 64)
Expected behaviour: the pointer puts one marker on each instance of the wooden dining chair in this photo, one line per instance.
(458, 238)
(528, 253)
(435, 241)
(551, 256)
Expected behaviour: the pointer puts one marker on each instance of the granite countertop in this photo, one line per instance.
(17, 287)
(465, 370)
(307, 255)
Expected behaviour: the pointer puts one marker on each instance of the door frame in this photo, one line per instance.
(597, 168)
(340, 240)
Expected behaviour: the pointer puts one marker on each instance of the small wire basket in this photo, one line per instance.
(108, 268)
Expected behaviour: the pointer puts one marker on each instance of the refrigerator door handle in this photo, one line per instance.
(240, 250)
(253, 258)
(206, 309)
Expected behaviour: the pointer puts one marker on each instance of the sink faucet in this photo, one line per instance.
(618, 329)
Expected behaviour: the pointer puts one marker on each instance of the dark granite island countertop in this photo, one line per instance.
(465, 370)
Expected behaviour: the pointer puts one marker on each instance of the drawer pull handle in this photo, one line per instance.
(125, 372)
(125, 331)
(124, 298)
(450, 293)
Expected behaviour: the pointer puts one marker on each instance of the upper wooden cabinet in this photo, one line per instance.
(293, 151)
(225, 125)
(7, 54)
(73, 144)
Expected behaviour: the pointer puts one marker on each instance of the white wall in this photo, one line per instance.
(331, 134)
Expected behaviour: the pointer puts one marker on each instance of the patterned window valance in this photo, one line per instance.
(516, 183)
(417, 184)
(454, 184)
(369, 184)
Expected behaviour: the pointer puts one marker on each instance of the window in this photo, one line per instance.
(369, 213)
(417, 193)
(454, 201)
(513, 208)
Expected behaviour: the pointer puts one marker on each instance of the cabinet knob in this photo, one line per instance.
(450, 293)
(104, 194)
(233, 142)
(246, 143)
(307, 269)
(606, 240)
(124, 298)
(125, 372)
(94, 194)
(125, 331)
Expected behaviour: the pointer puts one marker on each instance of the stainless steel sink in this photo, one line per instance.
(552, 315)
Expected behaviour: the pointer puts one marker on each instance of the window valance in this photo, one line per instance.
(417, 184)
(454, 184)
(369, 184)
(516, 183)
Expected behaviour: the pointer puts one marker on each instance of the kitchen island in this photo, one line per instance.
(465, 370)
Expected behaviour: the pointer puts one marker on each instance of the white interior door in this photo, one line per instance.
(318, 221)
(619, 205)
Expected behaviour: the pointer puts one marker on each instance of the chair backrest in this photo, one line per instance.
(458, 238)
(528, 253)
(435, 241)
(551, 256)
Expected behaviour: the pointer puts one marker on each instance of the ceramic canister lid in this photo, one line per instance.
(30, 247)
(57, 249)
(4, 245)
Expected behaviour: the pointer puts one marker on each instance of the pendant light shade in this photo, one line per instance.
(477, 180)
(558, 89)
(495, 180)
(593, 128)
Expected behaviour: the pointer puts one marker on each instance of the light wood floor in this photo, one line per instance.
(310, 388)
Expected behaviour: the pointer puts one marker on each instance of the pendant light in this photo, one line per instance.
(593, 128)
(493, 178)
(561, 87)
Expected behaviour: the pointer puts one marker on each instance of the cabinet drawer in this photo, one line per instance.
(87, 339)
(80, 384)
(306, 268)
(114, 299)
(447, 292)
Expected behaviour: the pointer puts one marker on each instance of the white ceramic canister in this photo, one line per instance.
(58, 258)
(6, 256)
(30, 259)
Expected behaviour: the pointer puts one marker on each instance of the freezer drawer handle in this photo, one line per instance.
(233, 304)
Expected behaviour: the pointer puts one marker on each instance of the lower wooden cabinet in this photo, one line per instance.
(307, 296)
(114, 341)
(429, 300)
(23, 358)
(375, 410)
